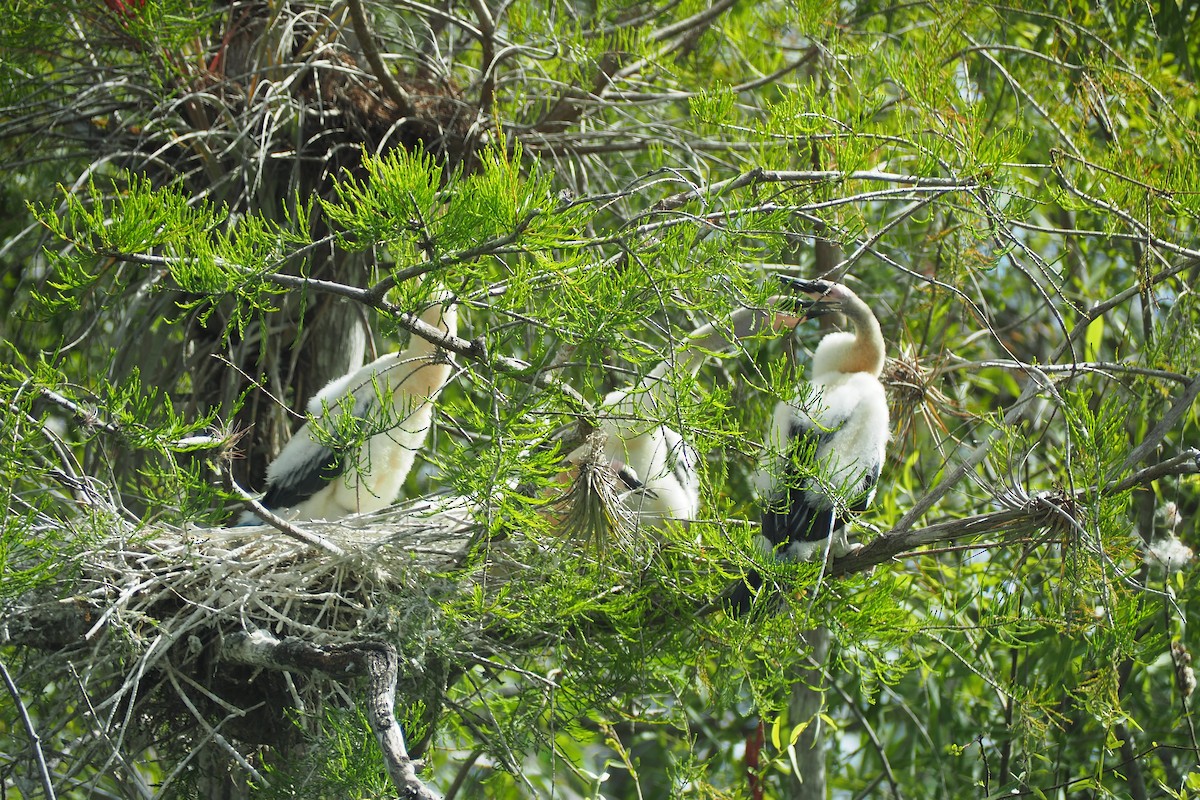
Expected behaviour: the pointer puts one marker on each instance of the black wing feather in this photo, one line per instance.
(869, 481)
(316, 474)
(791, 516)
(322, 466)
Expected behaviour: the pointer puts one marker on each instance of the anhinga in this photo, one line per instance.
(826, 446)
(656, 467)
(390, 401)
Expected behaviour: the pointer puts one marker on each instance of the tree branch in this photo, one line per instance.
(487, 59)
(1039, 511)
(472, 350)
(759, 176)
(1169, 420)
(35, 741)
(569, 107)
(376, 661)
(366, 39)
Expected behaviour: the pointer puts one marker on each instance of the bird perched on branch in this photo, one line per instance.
(826, 446)
(656, 470)
(386, 405)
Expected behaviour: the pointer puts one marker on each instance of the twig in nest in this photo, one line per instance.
(282, 525)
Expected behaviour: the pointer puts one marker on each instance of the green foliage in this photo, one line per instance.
(194, 191)
(205, 259)
(342, 761)
(406, 202)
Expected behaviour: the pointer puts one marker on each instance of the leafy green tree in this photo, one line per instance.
(213, 209)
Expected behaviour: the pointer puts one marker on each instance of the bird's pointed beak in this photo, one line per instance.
(817, 287)
(818, 302)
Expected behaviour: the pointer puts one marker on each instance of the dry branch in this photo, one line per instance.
(366, 40)
(35, 741)
(1040, 511)
(375, 661)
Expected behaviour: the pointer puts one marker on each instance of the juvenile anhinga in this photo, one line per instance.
(655, 465)
(391, 401)
(652, 462)
(826, 446)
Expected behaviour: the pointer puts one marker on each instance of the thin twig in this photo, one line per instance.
(35, 741)
(759, 176)
(282, 525)
(211, 731)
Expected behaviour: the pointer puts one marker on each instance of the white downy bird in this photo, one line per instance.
(655, 466)
(392, 400)
(826, 447)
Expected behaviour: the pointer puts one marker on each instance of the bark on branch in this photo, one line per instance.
(366, 40)
(1042, 510)
(375, 661)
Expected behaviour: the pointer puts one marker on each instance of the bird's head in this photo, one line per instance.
(823, 297)
(861, 352)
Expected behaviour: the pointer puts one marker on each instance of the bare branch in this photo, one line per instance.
(1039, 511)
(487, 39)
(1181, 406)
(282, 525)
(375, 661)
(366, 39)
(35, 741)
(759, 176)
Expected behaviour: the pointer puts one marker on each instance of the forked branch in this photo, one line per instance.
(375, 661)
(1039, 511)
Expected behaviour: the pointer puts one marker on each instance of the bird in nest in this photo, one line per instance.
(384, 409)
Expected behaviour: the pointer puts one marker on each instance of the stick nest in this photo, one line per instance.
(134, 626)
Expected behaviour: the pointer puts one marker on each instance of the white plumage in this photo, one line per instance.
(660, 472)
(656, 466)
(391, 399)
(827, 445)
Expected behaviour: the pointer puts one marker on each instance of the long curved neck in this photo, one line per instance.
(714, 337)
(868, 353)
(439, 315)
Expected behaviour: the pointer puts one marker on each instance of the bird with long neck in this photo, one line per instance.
(389, 405)
(826, 445)
(657, 467)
